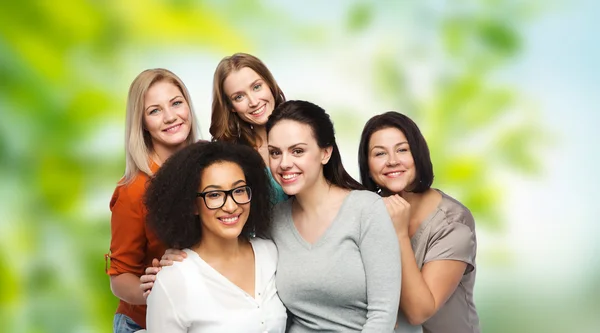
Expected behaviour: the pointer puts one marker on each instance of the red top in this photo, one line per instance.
(132, 245)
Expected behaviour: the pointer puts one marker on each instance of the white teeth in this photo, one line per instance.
(290, 176)
(257, 111)
(394, 173)
(229, 220)
(173, 129)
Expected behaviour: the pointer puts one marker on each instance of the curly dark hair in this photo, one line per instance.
(171, 194)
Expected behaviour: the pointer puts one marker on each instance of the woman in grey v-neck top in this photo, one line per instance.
(436, 233)
(345, 281)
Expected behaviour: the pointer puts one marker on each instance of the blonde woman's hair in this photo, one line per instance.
(226, 125)
(138, 142)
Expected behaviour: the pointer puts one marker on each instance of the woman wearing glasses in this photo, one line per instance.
(210, 200)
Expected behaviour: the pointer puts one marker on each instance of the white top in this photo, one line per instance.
(191, 296)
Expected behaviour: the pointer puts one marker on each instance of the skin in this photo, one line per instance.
(166, 117)
(296, 162)
(252, 100)
(392, 168)
(221, 247)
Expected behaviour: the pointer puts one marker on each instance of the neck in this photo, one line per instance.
(214, 247)
(160, 153)
(261, 132)
(315, 197)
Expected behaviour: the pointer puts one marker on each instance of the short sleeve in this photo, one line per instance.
(128, 231)
(167, 295)
(453, 241)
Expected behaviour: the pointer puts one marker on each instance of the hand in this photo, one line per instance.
(172, 255)
(147, 280)
(399, 210)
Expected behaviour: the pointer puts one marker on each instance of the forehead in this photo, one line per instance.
(388, 136)
(221, 174)
(240, 79)
(290, 132)
(161, 90)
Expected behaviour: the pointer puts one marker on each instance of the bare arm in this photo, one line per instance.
(424, 292)
(126, 286)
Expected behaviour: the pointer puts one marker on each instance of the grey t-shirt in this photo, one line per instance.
(349, 279)
(449, 234)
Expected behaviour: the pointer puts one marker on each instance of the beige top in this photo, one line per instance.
(448, 233)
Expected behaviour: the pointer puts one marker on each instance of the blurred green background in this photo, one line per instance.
(506, 93)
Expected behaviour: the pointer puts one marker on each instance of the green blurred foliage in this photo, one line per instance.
(65, 71)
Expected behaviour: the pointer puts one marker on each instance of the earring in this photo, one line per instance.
(253, 232)
(377, 189)
(238, 129)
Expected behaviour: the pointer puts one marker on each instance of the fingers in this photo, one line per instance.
(151, 271)
(155, 263)
(147, 292)
(172, 255)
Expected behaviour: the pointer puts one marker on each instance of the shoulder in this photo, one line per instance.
(455, 212)
(176, 274)
(130, 192)
(282, 208)
(266, 248)
(361, 200)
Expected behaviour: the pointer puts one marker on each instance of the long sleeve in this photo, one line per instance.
(128, 235)
(381, 258)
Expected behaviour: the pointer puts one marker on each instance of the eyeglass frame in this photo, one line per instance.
(228, 193)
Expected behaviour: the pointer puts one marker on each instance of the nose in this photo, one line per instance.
(229, 205)
(252, 100)
(170, 115)
(392, 160)
(286, 162)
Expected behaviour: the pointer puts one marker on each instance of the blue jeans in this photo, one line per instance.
(124, 324)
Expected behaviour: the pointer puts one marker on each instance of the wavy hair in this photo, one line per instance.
(227, 125)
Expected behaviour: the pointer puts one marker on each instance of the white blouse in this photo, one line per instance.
(191, 296)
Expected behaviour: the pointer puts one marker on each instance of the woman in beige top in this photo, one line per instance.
(436, 232)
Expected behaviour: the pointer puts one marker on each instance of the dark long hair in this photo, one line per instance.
(171, 195)
(416, 142)
(322, 129)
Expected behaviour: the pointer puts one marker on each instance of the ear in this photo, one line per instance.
(326, 154)
(196, 210)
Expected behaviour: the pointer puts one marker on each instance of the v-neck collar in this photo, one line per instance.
(226, 281)
(307, 245)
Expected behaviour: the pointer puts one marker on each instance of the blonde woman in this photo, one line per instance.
(160, 121)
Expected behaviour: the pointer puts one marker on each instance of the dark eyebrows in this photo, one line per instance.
(217, 187)
(396, 145)
(290, 147)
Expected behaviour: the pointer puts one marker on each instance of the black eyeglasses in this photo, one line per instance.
(216, 199)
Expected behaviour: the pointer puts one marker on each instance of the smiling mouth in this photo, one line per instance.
(289, 177)
(229, 220)
(259, 111)
(172, 128)
(393, 173)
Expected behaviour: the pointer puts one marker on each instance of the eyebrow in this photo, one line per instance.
(396, 145)
(217, 187)
(292, 146)
(251, 84)
(156, 105)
